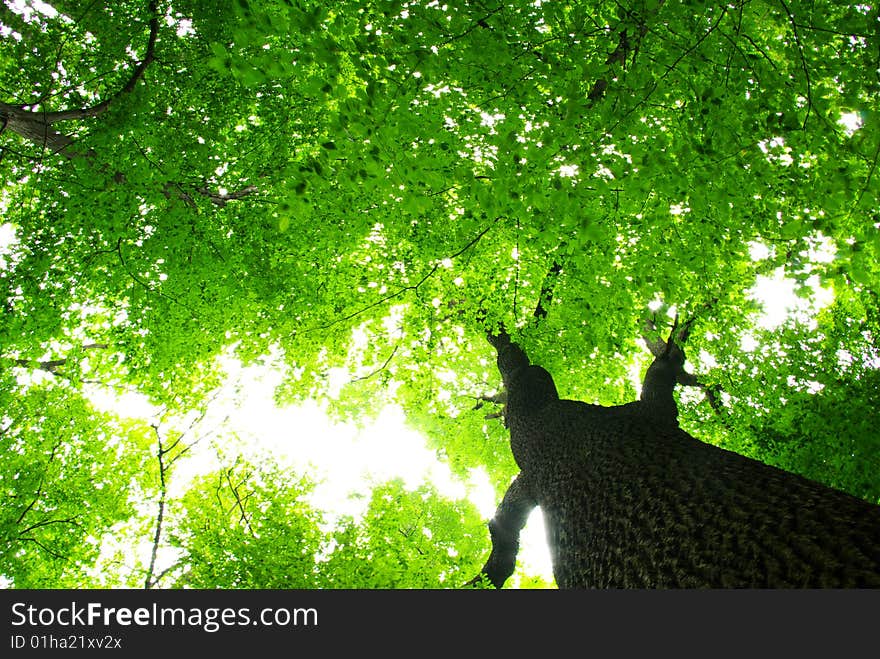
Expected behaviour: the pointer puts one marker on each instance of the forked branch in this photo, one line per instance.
(659, 348)
(37, 126)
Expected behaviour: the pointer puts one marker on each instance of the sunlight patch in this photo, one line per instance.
(851, 122)
(779, 299)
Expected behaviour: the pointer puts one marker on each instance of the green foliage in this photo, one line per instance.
(364, 187)
(805, 399)
(244, 527)
(252, 526)
(67, 473)
(408, 539)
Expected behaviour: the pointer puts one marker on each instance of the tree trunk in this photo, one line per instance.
(632, 501)
(35, 127)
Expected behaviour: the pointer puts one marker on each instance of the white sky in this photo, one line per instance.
(343, 458)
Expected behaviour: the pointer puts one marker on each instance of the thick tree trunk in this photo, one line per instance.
(632, 501)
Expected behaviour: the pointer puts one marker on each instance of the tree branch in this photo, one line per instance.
(380, 368)
(546, 294)
(664, 373)
(221, 199)
(36, 126)
(411, 287)
(510, 518)
(163, 491)
(165, 572)
(238, 502)
(103, 106)
(39, 491)
(620, 53)
(52, 365)
(659, 348)
(53, 554)
(481, 22)
(47, 522)
(797, 39)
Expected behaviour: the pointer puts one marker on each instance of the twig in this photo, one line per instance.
(160, 455)
(381, 368)
(797, 39)
(404, 289)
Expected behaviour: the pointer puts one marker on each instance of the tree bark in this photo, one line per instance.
(510, 518)
(632, 501)
(33, 127)
(37, 126)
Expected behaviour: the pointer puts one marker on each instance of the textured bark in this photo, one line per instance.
(632, 501)
(34, 127)
(510, 518)
(38, 126)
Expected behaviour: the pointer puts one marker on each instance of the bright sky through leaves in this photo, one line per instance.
(344, 198)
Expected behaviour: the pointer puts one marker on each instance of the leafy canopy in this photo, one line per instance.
(354, 191)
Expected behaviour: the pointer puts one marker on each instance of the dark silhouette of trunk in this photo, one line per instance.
(630, 500)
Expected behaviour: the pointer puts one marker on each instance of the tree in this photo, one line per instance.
(243, 527)
(632, 501)
(356, 192)
(406, 539)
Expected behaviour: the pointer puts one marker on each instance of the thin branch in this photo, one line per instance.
(164, 572)
(764, 54)
(32, 503)
(816, 28)
(192, 424)
(381, 368)
(696, 44)
(149, 581)
(163, 491)
(157, 290)
(478, 23)
(52, 365)
(517, 268)
(47, 522)
(54, 554)
(39, 491)
(103, 106)
(49, 366)
(654, 85)
(797, 39)
(621, 52)
(221, 199)
(871, 171)
(499, 398)
(404, 289)
(239, 503)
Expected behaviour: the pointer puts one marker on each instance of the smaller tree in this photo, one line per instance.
(66, 474)
(407, 539)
